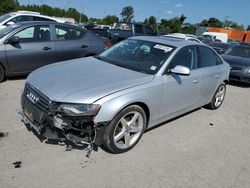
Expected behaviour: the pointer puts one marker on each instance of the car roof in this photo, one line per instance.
(37, 14)
(167, 41)
(30, 23)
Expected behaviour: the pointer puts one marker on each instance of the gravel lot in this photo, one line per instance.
(201, 149)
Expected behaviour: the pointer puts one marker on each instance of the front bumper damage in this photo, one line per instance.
(53, 126)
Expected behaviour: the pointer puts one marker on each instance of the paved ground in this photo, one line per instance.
(202, 149)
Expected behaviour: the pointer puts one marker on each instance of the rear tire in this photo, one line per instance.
(2, 73)
(125, 130)
(218, 97)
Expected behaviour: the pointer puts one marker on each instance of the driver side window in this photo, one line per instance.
(185, 57)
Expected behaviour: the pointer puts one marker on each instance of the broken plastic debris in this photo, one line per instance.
(17, 164)
(2, 134)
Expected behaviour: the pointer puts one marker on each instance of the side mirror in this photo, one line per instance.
(12, 40)
(181, 70)
(10, 23)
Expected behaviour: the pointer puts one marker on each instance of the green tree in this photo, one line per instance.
(73, 13)
(232, 24)
(96, 20)
(55, 11)
(7, 6)
(151, 21)
(173, 25)
(248, 27)
(212, 22)
(204, 23)
(110, 19)
(191, 29)
(127, 13)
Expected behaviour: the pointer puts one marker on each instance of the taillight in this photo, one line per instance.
(108, 43)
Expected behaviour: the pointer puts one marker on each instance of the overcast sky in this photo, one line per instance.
(194, 10)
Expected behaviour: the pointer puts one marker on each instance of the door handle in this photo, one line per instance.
(195, 81)
(84, 46)
(46, 48)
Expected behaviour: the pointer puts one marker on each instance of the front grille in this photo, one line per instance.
(43, 102)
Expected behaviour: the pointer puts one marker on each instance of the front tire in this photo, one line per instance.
(218, 97)
(125, 130)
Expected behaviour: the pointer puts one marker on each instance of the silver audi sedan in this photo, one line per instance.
(112, 98)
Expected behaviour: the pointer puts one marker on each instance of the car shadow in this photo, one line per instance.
(171, 120)
(239, 84)
(17, 78)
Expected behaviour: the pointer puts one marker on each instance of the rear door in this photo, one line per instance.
(70, 43)
(34, 50)
(209, 65)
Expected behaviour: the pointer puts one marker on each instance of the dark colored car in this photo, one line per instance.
(27, 46)
(205, 40)
(220, 47)
(239, 59)
(124, 30)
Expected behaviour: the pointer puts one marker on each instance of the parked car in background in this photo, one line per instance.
(112, 98)
(206, 40)
(23, 16)
(216, 36)
(103, 27)
(220, 47)
(184, 37)
(239, 59)
(27, 46)
(123, 30)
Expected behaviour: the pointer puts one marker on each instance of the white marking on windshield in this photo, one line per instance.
(153, 68)
(165, 48)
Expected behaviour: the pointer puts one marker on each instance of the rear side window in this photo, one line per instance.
(185, 57)
(207, 57)
(67, 33)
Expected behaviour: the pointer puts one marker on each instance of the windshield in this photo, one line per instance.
(123, 26)
(7, 30)
(241, 51)
(138, 55)
(5, 17)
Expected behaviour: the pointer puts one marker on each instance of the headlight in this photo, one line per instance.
(79, 109)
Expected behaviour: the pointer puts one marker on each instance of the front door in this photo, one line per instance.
(180, 93)
(34, 50)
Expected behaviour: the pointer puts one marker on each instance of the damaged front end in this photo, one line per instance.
(61, 121)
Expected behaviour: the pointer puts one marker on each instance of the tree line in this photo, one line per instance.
(172, 25)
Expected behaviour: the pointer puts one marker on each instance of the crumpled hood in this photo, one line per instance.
(84, 80)
(235, 60)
